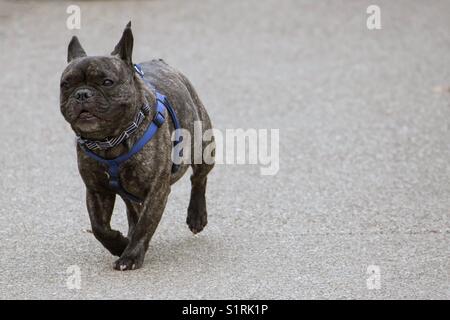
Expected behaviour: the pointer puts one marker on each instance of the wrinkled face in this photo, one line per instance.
(98, 96)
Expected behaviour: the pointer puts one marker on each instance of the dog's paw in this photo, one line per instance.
(128, 263)
(196, 221)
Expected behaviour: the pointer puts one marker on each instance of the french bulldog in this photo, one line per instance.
(100, 97)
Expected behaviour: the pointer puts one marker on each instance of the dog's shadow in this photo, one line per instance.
(175, 254)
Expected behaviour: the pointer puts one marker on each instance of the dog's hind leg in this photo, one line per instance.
(100, 207)
(197, 216)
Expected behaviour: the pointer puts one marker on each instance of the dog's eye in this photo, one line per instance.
(108, 82)
(64, 85)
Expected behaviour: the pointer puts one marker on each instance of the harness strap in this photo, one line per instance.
(172, 113)
(113, 165)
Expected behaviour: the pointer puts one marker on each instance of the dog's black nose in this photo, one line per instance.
(83, 94)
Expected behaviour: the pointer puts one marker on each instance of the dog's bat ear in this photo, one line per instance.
(75, 50)
(124, 49)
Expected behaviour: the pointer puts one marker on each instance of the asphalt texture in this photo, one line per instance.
(364, 176)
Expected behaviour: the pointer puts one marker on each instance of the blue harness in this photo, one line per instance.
(113, 165)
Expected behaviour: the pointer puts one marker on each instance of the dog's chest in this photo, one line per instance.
(136, 175)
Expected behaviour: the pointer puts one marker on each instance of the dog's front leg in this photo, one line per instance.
(152, 210)
(133, 211)
(100, 207)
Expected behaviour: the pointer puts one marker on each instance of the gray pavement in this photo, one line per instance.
(364, 151)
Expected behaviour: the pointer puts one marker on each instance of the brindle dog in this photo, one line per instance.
(100, 97)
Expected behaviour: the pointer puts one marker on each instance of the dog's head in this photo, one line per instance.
(99, 94)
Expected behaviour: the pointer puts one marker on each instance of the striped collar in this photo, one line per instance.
(114, 141)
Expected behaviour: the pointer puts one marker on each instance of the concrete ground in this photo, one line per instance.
(364, 175)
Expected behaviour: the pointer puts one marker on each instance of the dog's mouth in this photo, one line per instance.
(87, 116)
